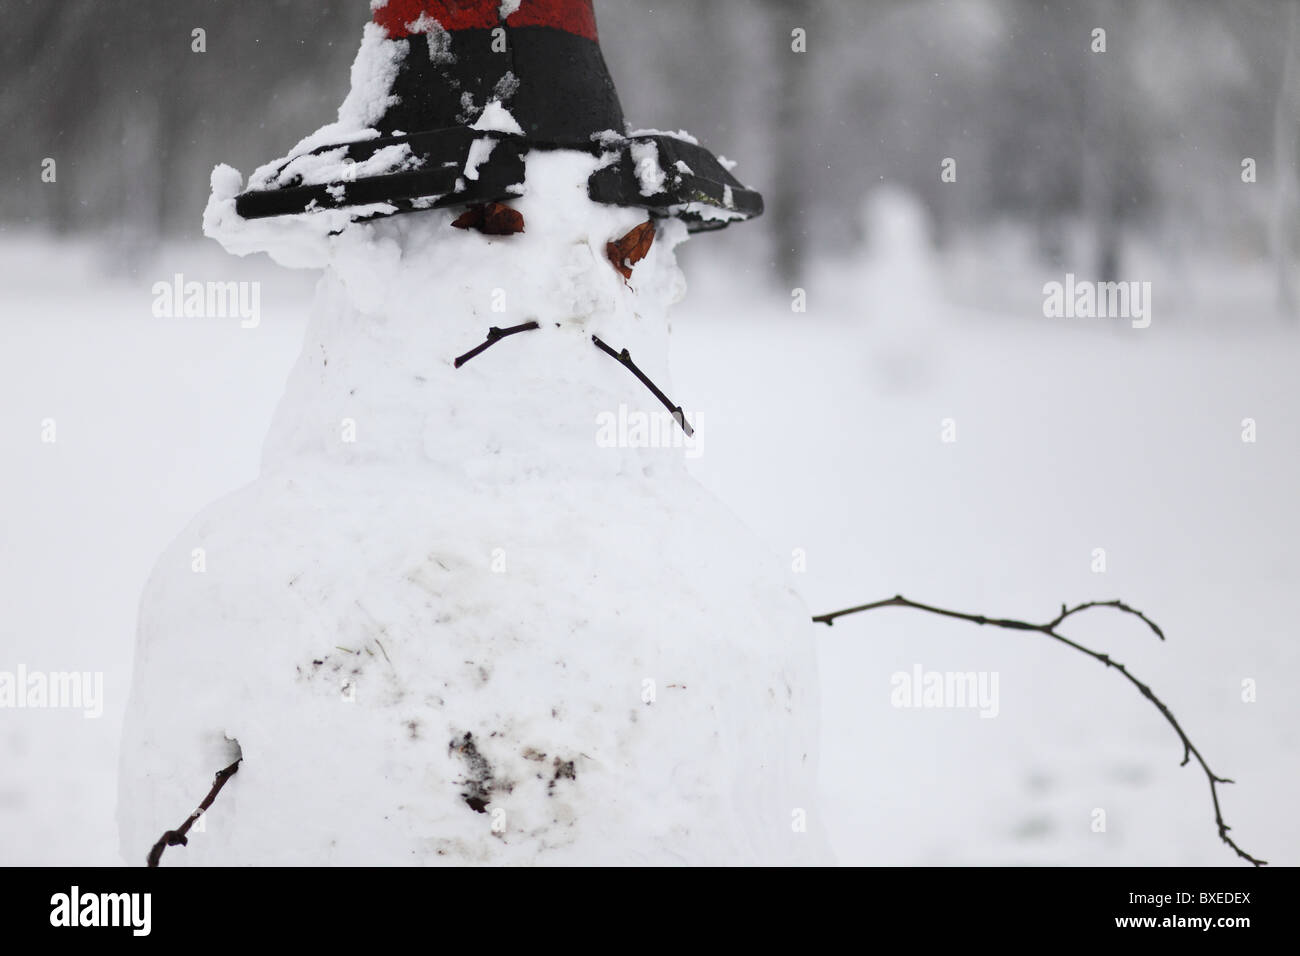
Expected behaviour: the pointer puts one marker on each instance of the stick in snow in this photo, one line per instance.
(1189, 750)
(495, 335)
(177, 837)
(625, 358)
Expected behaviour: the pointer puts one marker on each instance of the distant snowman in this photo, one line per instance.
(474, 610)
(897, 238)
(899, 286)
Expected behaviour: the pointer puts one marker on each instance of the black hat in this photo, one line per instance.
(437, 143)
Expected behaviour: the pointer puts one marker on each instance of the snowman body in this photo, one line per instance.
(463, 616)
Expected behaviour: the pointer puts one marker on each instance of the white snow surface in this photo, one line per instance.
(496, 117)
(650, 175)
(675, 134)
(707, 212)
(474, 600)
(480, 151)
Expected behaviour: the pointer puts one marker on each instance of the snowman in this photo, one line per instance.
(460, 618)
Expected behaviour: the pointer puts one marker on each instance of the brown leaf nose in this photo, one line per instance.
(632, 248)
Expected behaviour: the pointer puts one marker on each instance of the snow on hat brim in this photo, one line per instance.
(476, 118)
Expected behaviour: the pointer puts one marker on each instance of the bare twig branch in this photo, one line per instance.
(625, 359)
(494, 336)
(1050, 629)
(177, 837)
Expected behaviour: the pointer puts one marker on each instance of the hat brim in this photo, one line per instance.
(687, 181)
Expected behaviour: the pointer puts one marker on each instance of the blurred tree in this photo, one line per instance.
(1286, 153)
(136, 118)
(1068, 146)
(786, 125)
(1045, 132)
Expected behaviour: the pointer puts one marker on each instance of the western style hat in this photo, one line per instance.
(455, 93)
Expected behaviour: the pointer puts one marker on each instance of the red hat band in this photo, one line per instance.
(401, 18)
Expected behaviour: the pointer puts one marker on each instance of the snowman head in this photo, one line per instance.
(406, 299)
(560, 270)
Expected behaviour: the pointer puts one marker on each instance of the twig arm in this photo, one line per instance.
(178, 836)
(1050, 629)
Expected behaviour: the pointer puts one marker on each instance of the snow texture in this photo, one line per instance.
(706, 211)
(496, 117)
(473, 634)
(480, 151)
(438, 39)
(679, 134)
(650, 175)
(373, 73)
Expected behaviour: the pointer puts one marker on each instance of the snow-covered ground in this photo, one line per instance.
(823, 430)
